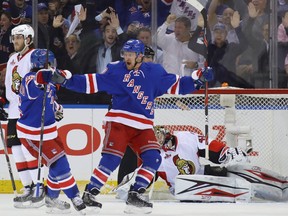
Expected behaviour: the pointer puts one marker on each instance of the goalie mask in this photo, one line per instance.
(164, 137)
(40, 58)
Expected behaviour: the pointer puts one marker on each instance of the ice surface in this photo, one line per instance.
(112, 206)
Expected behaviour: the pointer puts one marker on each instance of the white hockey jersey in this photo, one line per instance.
(17, 67)
(183, 160)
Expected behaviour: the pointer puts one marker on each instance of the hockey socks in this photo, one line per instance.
(100, 175)
(151, 162)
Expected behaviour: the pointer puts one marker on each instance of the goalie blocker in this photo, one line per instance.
(243, 182)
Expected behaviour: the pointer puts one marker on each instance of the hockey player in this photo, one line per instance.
(29, 131)
(180, 154)
(134, 85)
(17, 66)
(236, 179)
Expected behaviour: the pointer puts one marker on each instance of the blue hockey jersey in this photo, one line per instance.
(31, 103)
(133, 91)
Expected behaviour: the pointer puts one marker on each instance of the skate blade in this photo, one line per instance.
(137, 210)
(51, 210)
(91, 210)
(38, 204)
(82, 212)
(23, 205)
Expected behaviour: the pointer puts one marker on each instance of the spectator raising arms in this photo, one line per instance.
(177, 57)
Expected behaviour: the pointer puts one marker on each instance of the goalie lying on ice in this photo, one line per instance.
(235, 180)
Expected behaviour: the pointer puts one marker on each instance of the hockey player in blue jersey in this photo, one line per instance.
(134, 85)
(29, 129)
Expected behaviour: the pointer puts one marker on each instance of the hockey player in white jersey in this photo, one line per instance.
(234, 180)
(180, 154)
(17, 66)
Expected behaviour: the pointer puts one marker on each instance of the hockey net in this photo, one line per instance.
(260, 117)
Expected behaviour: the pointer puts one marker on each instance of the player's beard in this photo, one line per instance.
(19, 48)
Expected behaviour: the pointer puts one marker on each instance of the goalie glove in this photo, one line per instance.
(229, 156)
(56, 76)
(201, 76)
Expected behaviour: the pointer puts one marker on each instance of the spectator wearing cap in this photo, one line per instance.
(43, 27)
(218, 12)
(221, 55)
(48, 36)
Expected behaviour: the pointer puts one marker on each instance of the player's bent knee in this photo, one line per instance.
(109, 161)
(61, 166)
(151, 158)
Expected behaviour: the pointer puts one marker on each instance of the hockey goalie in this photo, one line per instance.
(234, 180)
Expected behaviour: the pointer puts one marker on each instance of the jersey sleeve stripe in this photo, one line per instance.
(91, 83)
(174, 89)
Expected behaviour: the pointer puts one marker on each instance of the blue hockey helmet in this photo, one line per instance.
(40, 57)
(136, 46)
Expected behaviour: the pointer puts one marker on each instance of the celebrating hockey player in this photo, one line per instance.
(18, 65)
(29, 131)
(134, 85)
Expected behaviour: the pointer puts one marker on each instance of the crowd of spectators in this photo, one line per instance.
(85, 39)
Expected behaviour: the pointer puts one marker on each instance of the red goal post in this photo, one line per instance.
(259, 116)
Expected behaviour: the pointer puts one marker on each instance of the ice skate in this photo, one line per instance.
(137, 203)
(79, 204)
(25, 199)
(38, 201)
(89, 199)
(55, 205)
(124, 186)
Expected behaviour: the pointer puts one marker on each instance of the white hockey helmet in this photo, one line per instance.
(24, 29)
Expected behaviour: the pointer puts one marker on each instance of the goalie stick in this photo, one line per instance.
(8, 161)
(196, 4)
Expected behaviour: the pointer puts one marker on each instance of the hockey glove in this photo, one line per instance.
(201, 76)
(229, 156)
(58, 112)
(56, 76)
(3, 113)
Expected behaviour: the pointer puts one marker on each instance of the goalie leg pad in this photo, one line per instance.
(265, 184)
(207, 188)
(285, 189)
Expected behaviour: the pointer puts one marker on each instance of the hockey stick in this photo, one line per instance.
(196, 4)
(8, 161)
(39, 182)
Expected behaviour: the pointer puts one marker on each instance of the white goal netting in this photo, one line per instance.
(258, 115)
